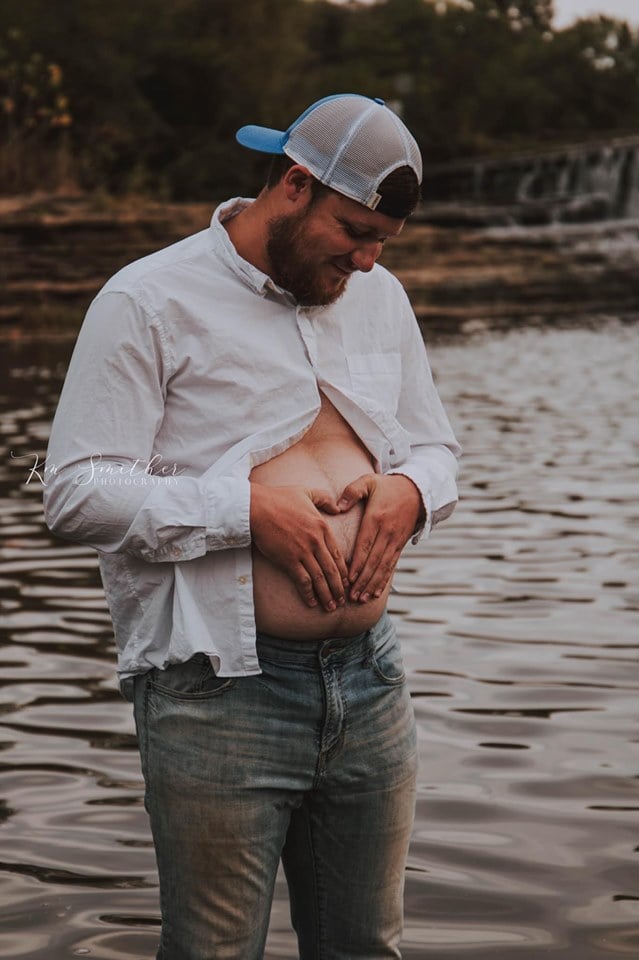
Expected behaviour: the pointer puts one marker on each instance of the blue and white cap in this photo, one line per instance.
(349, 142)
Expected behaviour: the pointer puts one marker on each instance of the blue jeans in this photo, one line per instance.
(313, 761)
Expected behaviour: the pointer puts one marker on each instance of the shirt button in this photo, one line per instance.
(242, 580)
(176, 552)
(231, 540)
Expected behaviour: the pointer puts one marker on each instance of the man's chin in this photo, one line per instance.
(325, 295)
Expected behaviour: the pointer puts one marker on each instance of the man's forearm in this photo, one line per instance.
(158, 519)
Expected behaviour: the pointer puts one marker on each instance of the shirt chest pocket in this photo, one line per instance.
(377, 376)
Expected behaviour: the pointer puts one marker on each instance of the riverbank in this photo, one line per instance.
(57, 251)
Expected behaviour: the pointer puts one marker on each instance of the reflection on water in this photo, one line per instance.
(520, 629)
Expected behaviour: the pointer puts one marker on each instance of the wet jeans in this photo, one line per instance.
(313, 761)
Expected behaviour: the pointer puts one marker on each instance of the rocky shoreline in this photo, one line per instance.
(55, 253)
(486, 278)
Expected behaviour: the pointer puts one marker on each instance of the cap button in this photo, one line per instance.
(380, 101)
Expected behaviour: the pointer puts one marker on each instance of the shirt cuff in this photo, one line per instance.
(228, 513)
(422, 529)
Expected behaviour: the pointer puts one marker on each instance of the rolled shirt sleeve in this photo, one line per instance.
(434, 451)
(106, 485)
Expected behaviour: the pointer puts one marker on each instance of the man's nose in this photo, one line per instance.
(364, 256)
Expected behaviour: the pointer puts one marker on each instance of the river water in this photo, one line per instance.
(519, 620)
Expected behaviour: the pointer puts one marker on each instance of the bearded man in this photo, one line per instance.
(249, 435)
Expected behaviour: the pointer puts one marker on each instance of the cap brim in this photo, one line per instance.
(261, 138)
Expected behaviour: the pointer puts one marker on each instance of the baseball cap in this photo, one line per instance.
(348, 141)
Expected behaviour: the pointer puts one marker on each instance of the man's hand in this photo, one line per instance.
(393, 508)
(289, 529)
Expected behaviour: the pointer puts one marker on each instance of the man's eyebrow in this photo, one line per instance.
(363, 228)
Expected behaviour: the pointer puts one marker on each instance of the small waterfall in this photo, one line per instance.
(576, 183)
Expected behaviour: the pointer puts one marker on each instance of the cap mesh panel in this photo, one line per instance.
(352, 144)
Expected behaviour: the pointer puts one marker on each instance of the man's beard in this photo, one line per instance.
(292, 268)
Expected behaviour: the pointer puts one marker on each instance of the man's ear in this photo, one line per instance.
(296, 183)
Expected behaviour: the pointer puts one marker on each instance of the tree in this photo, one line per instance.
(34, 114)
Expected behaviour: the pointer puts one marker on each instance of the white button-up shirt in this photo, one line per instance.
(191, 368)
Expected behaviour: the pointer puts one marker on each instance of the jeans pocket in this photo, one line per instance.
(194, 680)
(387, 661)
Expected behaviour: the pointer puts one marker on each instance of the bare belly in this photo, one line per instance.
(329, 456)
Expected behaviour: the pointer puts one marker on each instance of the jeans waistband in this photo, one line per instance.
(308, 651)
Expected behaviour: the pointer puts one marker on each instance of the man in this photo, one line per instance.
(249, 435)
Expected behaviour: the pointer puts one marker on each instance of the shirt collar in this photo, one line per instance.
(254, 278)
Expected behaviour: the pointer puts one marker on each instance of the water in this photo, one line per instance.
(519, 620)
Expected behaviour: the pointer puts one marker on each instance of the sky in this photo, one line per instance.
(567, 11)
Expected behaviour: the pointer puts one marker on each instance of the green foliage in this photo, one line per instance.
(146, 96)
(34, 113)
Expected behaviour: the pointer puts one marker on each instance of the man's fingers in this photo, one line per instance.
(314, 586)
(322, 574)
(334, 569)
(368, 551)
(336, 555)
(368, 532)
(377, 549)
(332, 559)
(289, 525)
(303, 584)
(357, 490)
(289, 529)
(377, 572)
(323, 500)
